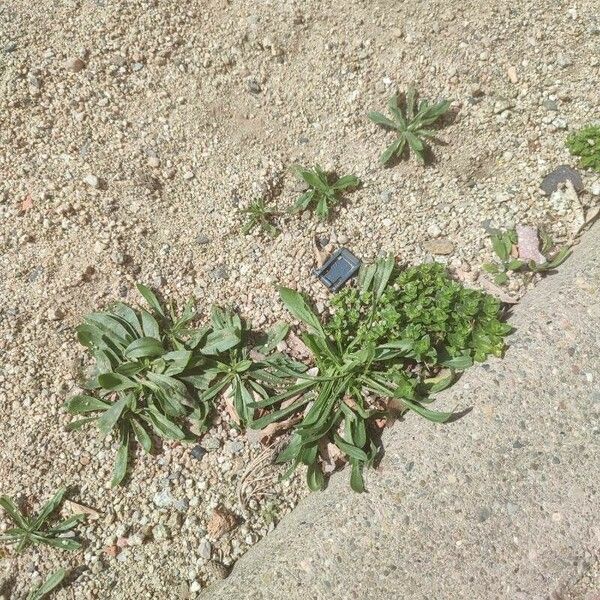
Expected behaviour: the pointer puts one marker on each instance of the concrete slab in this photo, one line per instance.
(502, 504)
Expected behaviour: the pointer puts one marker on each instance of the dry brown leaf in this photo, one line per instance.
(592, 214)
(320, 253)
(351, 402)
(273, 429)
(229, 407)
(221, 521)
(496, 291)
(331, 456)
(297, 348)
(76, 508)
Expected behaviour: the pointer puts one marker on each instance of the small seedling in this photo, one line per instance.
(321, 193)
(410, 124)
(260, 215)
(35, 530)
(53, 581)
(505, 244)
(585, 143)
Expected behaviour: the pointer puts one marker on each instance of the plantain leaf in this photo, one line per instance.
(314, 477)
(82, 404)
(349, 449)
(116, 382)
(11, 508)
(151, 299)
(110, 418)
(380, 119)
(356, 477)
(120, 468)
(345, 182)
(141, 435)
(297, 305)
(144, 347)
(49, 508)
(52, 582)
(221, 341)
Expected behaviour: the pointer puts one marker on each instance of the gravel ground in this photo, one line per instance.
(132, 134)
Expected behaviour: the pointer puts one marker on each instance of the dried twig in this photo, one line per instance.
(256, 473)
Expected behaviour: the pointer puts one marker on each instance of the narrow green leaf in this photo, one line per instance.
(395, 148)
(75, 425)
(110, 418)
(67, 524)
(500, 247)
(356, 477)
(459, 362)
(144, 347)
(349, 449)
(303, 201)
(151, 299)
(380, 119)
(313, 180)
(383, 272)
(297, 305)
(82, 404)
(62, 543)
(431, 415)
(345, 182)
(275, 335)
(49, 584)
(128, 316)
(221, 341)
(314, 477)
(395, 110)
(116, 382)
(13, 512)
(141, 435)
(416, 145)
(322, 210)
(559, 259)
(49, 508)
(52, 582)
(150, 326)
(163, 426)
(121, 461)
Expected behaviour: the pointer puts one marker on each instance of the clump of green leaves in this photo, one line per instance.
(585, 143)
(322, 193)
(150, 367)
(36, 529)
(411, 123)
(391, 344)
(252, 369)
(444, 322)
(505, 243)
(51, 583)
(259, 215)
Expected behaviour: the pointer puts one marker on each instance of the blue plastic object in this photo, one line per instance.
(341, 266)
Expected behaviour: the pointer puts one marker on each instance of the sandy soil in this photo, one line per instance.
(132, 133)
